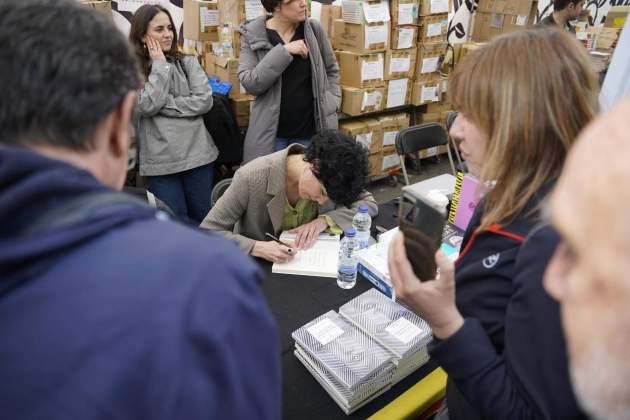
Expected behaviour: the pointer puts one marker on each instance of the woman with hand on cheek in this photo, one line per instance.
(176, 150)
(497, 333)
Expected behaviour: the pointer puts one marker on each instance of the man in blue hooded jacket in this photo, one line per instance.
(107, 308)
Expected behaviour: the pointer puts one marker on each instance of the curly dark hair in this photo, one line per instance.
(340, 163)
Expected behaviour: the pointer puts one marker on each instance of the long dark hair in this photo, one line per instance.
(139, 26)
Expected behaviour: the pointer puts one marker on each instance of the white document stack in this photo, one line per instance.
(395, 327)
(361, 352)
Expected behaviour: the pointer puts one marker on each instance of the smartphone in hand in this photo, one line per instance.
(422, 223)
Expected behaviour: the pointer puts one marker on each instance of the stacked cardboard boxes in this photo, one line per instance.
(494, 17)
(102, 6)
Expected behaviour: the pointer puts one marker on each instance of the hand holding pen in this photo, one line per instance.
(274, 250)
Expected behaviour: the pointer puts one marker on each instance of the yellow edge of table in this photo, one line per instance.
(416, 399)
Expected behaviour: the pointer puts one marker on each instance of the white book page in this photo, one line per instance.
(320, 260)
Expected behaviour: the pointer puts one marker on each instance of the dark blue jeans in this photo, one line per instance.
(186, 193)
(282, 143)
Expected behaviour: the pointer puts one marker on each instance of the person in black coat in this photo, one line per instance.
(497, 333)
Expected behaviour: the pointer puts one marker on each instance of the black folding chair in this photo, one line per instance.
(421, 137)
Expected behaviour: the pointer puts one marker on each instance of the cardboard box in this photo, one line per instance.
(242, 109)
(403, 37)
(375, 161)
(201, 20)
(404, 12)
(398, 92)
(432, 151)
(360, 12)
(400, 63)
(488, 25)
(328, 14)
(507, 7)
(429, 58)
(356, 101)
(390, 126)
(617, 16)
(361, 70)
(234, 12)
(426, 92)
(434, 7)
(364, 38)
(390, 162)
(439, 107)
(433, 28)
(428, 117)
(226, 68)
(365, 131)
(104, 7)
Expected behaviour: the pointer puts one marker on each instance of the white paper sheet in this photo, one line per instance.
(434, 29)
(429, 94)
(320, 260)
(405, 38)
(352, 11)
(390, 161)
(208, 17)
(399, 64)
(521, 20)
(376, 12)
(406, 13)
(253, 9)
(372, 70)
(371, 99)
(430, 65)
(396, 92)
(402, 329)
(389, 138)
(376, 34)
(365, 139)
(326, 331)
(439, 6)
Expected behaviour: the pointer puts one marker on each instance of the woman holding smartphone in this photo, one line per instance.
(497, 333)
(176, 150)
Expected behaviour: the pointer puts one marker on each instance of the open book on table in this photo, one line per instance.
(320, 260)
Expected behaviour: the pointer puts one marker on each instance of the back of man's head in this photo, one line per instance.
(64, 68)
(559, 5)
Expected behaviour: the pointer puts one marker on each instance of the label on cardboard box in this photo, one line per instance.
(376, 12)
(208, 17)
(432, 151)
(371, 99)
(399, 64)
(521, 20)
(434, 29)
(365, 139)
(376, 34)
(430, 65)
(405, 38)
(352, 12)
(497, 20)
(396, 92)
(253, 9)
(429, 94)
(390, 161)
(407, 12)
(389, 138)
(439, 6)
(372, 70)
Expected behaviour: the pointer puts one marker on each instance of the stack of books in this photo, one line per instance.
(360, 352)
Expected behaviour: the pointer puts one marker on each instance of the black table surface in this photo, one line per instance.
(297, 300)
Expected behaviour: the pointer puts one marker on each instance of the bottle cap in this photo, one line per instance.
(350, 232)
(363, 208)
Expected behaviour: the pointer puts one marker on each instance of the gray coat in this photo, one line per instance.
(171, 133)
(260, 71)
(255, 202)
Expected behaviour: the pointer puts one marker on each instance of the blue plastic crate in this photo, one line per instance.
(219, 86)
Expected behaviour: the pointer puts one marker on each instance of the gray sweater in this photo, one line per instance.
(171, 133)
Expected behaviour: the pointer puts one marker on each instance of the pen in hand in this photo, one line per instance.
(273, 238)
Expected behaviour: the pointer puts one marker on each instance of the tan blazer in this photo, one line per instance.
(254, 203)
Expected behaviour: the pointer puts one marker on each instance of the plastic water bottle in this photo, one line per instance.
(361, 223)
(226, 41)
(347, 266)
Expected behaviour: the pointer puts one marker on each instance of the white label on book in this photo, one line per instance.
(406, 13)
(375, 34)
(253, 9)
(389, 138)
(371, 99)
(399, 64)
(376, 12)
(208, 17)
(325, 331)
(396, 92)
(434, 29)
(403, 330)
(390, 161)
(521, 20)
(405, 38)
(430, 65)
(429, 94)
(372, 70)
(365, 139)
(439, 6)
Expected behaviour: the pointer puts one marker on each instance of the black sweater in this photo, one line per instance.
(508, 360)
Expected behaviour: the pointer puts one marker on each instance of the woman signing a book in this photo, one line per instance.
(304, 191)
(497, 333)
